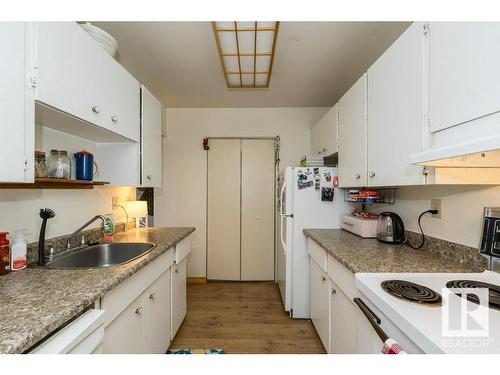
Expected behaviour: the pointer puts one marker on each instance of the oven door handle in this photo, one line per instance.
(372, 318)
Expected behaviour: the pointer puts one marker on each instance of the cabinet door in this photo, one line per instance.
(324, 134)
(320, 303)
(343, 322)
(464, 72)
(124, 335)
(352, 136)
(70, 71)
(329, 131)
(395, 111)
(122, 100)
(157, 315)
(316, 145)
(17, 126)
(179, 296)
(151, 125)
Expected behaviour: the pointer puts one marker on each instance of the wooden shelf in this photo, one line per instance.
(54, 183)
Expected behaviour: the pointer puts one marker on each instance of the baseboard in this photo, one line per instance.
(196, 280)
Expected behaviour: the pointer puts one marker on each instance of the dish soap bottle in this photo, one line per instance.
(19, 245)
(4, 254)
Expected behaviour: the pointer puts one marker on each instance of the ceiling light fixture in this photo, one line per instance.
(246, 51)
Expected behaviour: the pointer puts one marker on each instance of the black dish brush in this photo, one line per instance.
(45, 214)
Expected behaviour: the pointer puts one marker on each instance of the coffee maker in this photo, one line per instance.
(490, 237)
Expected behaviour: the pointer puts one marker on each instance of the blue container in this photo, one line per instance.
(84, 165)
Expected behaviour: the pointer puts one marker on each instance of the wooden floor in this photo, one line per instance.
(243, 317)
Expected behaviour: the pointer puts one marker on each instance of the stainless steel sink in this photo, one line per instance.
(101, 255)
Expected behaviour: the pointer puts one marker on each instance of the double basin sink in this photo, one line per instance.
(101, 255)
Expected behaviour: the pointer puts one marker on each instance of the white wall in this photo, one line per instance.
(461, 210)
(19, 208)
(182, 199)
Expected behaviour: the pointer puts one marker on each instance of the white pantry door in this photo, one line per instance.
(257, 209)
(223, 226)
(240, 227)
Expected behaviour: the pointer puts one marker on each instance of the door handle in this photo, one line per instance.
(373, 319)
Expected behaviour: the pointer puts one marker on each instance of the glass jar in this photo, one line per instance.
(40, 165)
(58, 164)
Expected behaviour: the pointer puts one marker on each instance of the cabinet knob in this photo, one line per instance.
(152, 296)
(357, 175)
(139, 310)
(333, 291)
(95, 109)
(176, 270)
(324, 150)
(149, 177)
(323, 278)
(114, 119)
(372, 174)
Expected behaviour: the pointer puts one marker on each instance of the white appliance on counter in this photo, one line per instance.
(301, 207)
(418, 326)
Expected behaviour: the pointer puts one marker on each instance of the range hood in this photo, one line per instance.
(478, 153)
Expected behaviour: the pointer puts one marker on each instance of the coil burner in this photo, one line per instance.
(412, 292)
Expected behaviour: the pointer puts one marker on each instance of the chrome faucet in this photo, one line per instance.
(76, 232)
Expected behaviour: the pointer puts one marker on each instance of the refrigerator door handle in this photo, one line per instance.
(281, 197)
(282, 217)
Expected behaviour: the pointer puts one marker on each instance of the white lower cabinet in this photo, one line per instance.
(343, 322)
(157, 307)
(179, 297)
(319, 303)
(333, 311)
(144, 312)
(124, 334)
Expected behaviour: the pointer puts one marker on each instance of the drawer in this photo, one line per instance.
(117, 299)
(318, 254)
(182, 249)
(341, 276)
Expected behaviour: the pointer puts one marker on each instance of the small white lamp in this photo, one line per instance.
(139, 211)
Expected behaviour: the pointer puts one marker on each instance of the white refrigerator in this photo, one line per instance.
(301, 206)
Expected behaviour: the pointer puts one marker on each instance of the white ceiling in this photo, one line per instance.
(315, 62)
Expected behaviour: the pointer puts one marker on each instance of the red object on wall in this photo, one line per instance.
(205, 144)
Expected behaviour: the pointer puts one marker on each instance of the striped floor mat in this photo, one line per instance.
(196, 351)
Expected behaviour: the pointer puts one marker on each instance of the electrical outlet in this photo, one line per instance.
(436, 205)
(114, 201)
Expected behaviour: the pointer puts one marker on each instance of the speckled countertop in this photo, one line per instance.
(35, 302)
(368, 255)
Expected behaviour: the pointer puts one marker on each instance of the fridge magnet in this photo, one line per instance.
(327, 194)
(327, 179)
(304, 179)
(317, 178)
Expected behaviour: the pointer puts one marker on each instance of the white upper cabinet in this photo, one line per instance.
(123, 94)
(16, 105)
(352, 136)
(395, 111)
(464, 72)
(77, 77)
(151, 125)
(324, 134)
(70, 71)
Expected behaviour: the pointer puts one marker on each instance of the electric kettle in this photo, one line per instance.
(390, 228)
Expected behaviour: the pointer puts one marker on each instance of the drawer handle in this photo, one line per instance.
(357, 175)
(372, 174)
(333, 291)
(348, 224)
(323, 278)
(114, 119)
(152, 296)
(95, 109)
(139, 311)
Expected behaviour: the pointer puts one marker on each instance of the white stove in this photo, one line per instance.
(433, 319)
